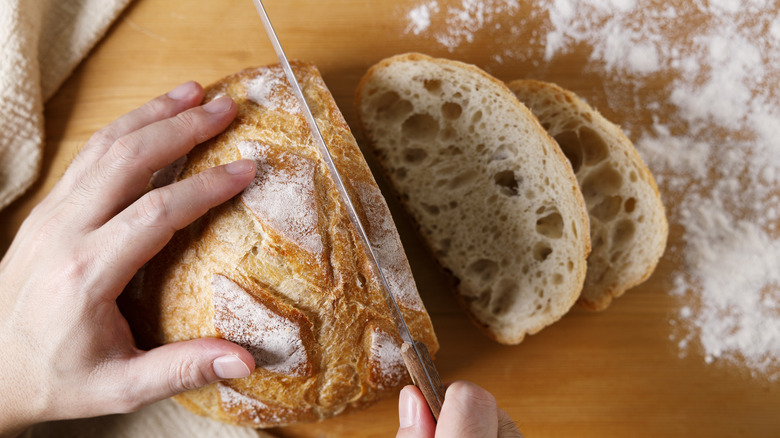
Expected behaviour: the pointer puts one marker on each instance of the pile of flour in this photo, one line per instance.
(714, 144)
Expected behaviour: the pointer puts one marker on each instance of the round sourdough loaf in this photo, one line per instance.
(277, 269)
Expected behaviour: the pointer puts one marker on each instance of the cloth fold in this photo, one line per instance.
(41, 43)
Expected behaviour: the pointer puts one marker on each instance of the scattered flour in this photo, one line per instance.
(713, 144)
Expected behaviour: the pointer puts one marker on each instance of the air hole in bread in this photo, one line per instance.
(483, 269)
(570, 146)
(393, 107)
(476, 117)
(400, 173)
(386, 100)
(448, 133)
(570, 266)
(551, 225)
(451, 110)
(453, 204)
(623, 233)
(557, 279)
(632, 176)
(432, 209)
(463, 179)
(593, 146)
(506, 182)
(360, 279)
(529, 194)
(597, 242)
(432, 85)
(453, 150)
(607, 209)
(420, 127)
(255, 250)
(502, 153)
(525, 269)
(415, 155)
(604, 181)
(541, 251)
(503, 297)
(630, 205)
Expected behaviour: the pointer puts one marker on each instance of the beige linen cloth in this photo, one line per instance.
(41, 43)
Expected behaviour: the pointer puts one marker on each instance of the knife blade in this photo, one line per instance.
(416, 357)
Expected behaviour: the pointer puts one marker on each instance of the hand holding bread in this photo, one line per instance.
(67, 351)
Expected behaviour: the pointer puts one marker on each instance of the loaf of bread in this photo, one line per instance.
(278, 269)
(628, 226)
(491, 192)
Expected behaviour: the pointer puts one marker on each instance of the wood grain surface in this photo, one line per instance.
(615, 373)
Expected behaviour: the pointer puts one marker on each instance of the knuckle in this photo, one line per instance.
(185, 122)
(157, 108)
(103, 136)
(152, 209)
(186, 375)
(126, 149)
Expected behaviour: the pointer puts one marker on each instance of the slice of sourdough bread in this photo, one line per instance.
(492, 194)
(628, 224)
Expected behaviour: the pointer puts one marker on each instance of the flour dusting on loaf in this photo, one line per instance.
(269, 89)
(278, 268)
(274, 341)
(283, 196)
(389, 250)
(386, 358)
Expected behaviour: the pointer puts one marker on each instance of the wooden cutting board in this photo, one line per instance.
(611, 374)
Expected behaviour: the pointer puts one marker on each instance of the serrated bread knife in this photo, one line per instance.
(416, 357)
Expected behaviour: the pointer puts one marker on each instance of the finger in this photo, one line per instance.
(174, 368)
(468, 411)
(181, 98)
(506, 427)
(122, 174)
(134, 236)
(414, 417)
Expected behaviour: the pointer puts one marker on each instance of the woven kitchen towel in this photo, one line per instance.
(41, 42)
(162, 419)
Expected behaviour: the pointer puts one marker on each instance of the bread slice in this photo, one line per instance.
(628, 226)
(494, 197)
(278, 269)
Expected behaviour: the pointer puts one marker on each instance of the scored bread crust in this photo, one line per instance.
(492, 194)
(278, 269)
(628, 224)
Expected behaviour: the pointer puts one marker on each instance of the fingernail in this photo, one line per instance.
(182, 91)
(407, 409)
(239, 167)
(218, 105)
(230, 367)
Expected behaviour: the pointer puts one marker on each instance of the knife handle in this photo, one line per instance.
(430, 385)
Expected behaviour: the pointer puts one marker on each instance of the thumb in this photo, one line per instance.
(414, 416)
(174, 368)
